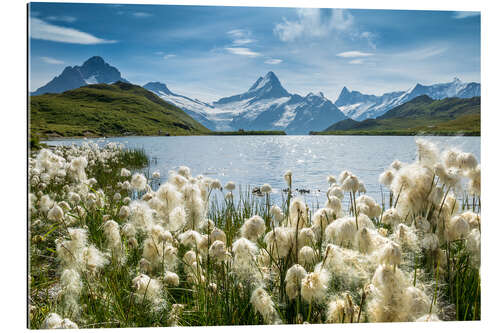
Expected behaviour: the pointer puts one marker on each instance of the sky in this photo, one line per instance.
(209, 52)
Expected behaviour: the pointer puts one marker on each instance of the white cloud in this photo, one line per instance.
(168, 56)
(462, 15)
(243, 51)
(273, 61)
(424, 53)
(356, 61)
(431, 52)
(313, 22)
(52, 61)
(236, 33)
(243, 41)
(67, 19)
(354, 54)
(42, 30)
(142, 14)
(241, 36)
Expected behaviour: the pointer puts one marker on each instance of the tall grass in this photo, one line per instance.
(219, 296)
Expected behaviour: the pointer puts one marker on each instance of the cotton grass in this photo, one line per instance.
(123, 250)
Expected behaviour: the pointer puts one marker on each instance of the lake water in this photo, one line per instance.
(254, 160)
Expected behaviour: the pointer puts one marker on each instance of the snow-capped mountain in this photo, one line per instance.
(93, 70)
(265, 106)
(455, 88)
(198, 110)
(268, 106)
(265, 88)
(359, 106)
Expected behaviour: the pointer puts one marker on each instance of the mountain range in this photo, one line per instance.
(358, 106)
(266, 105)
(421, 114)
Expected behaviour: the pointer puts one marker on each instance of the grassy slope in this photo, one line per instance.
(109, 110)
(421, 115)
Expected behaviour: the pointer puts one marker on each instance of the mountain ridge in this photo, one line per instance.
(108, 110)
(93, 70)
(359, 106)
(265, 87)
(266, 105)
(422, 112)
(196, 109)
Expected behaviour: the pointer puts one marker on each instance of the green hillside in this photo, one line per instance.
(421, 115)
(108, 110)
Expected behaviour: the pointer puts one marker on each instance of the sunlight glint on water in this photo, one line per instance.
(255, 160)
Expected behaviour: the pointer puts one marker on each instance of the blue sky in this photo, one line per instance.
(211, 52)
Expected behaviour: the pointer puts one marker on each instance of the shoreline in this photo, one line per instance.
(249, 133)
(393, 133)
(63, 138)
